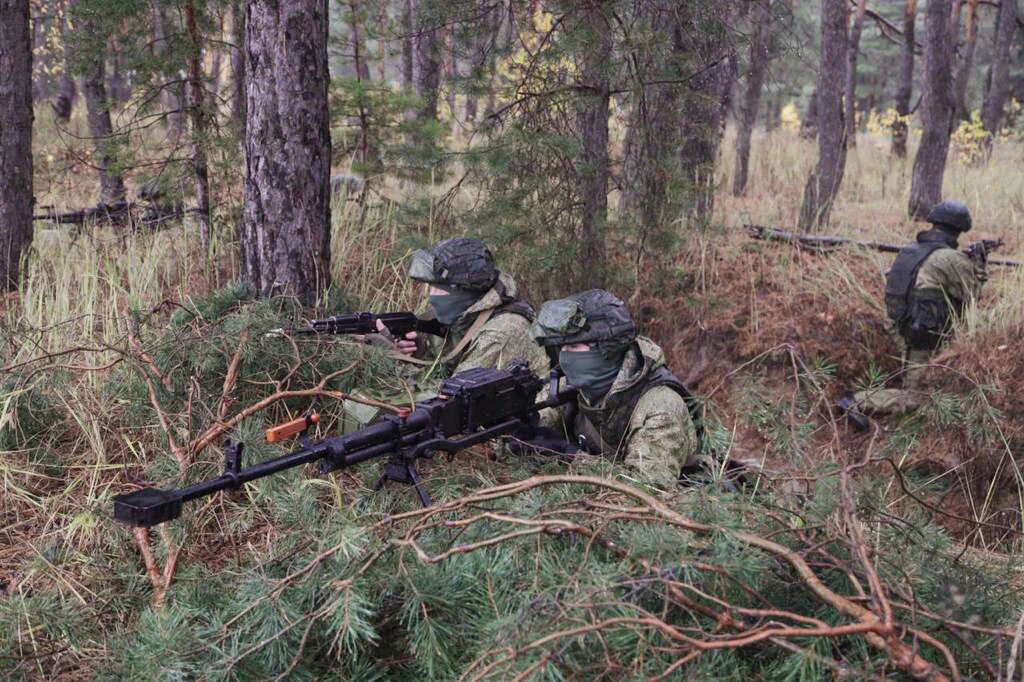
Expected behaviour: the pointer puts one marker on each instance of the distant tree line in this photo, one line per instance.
(542, 110)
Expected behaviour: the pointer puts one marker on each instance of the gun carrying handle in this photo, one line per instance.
(289, 429)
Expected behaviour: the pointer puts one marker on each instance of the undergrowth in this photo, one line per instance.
(133, 366)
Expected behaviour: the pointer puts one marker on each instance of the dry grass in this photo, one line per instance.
(736, 301)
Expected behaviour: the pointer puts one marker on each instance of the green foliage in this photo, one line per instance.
(27, 414)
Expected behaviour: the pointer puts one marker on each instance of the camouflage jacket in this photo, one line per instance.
(953, 273)
(659, 438)
(503, 338)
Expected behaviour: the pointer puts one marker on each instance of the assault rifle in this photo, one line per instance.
(397, 324)
(979, 250)
(472, 407)
(824, 243)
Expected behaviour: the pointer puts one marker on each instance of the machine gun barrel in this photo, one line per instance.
(472, 407)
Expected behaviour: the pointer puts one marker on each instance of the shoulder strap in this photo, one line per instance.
(663, 376)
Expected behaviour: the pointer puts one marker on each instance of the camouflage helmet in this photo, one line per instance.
(462, 262)
(951, 214)
(596, 317)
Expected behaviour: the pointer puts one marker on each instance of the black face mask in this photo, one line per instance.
(449, 308)
(591, 371)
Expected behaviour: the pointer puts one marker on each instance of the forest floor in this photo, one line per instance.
(123, 352)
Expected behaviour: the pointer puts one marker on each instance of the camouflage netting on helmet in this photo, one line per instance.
(951, 214)
(462, 262)
(597, 317)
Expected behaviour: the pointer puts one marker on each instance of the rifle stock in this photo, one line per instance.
(472, 407)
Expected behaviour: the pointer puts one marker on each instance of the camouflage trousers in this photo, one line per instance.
(898, 401)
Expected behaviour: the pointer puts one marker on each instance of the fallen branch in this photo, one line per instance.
(231, 378)
(320, 390)
(823, 243)
(109, 212)
(150, 214)
(882, 635)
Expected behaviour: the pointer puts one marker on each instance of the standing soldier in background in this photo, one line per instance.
(929, 285)
(631, 408)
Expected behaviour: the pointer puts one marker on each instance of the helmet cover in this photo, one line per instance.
(596, 317)
(460, 262)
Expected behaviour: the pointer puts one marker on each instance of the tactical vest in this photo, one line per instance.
(922, 316)
(603, 431)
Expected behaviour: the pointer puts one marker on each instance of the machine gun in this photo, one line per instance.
(398, 324)
(822, 243)
(470, 408)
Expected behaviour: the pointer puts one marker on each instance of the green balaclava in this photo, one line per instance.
(592, 371)
(449, 308)
(597, 318)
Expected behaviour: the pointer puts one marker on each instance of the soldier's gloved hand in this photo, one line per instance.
(406, 346)
(978, 251)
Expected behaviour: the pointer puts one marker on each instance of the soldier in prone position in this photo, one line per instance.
(631, 408)
(929, 284)
(489, 326)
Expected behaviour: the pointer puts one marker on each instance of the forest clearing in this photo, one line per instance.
(187, 186)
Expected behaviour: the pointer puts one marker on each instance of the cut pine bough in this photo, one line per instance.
(823, 243)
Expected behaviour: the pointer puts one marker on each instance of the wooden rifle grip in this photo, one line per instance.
(289, 429)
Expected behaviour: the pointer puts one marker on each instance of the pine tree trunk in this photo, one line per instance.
(936, 111)
(64, 99)
(238, 62)
(705, 106)
(650, 159)
(773, 117)
(824, 181)
(809, 124)
(102, 130)
(450, 68)
(16, 199)
(593, 110)
(286, 222)
(905, 88)
(218, 56)
(759, 57)
(383, 50)
(966, 64)
(198, 117)
(368, 154)
(428, 58)
(852, 51)
(703, 125)
(171, 91)
(117, 83)
(999, 88)
(484, 44)
(956, 9)
(408, 46)
(356, 17)
(492, 62)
